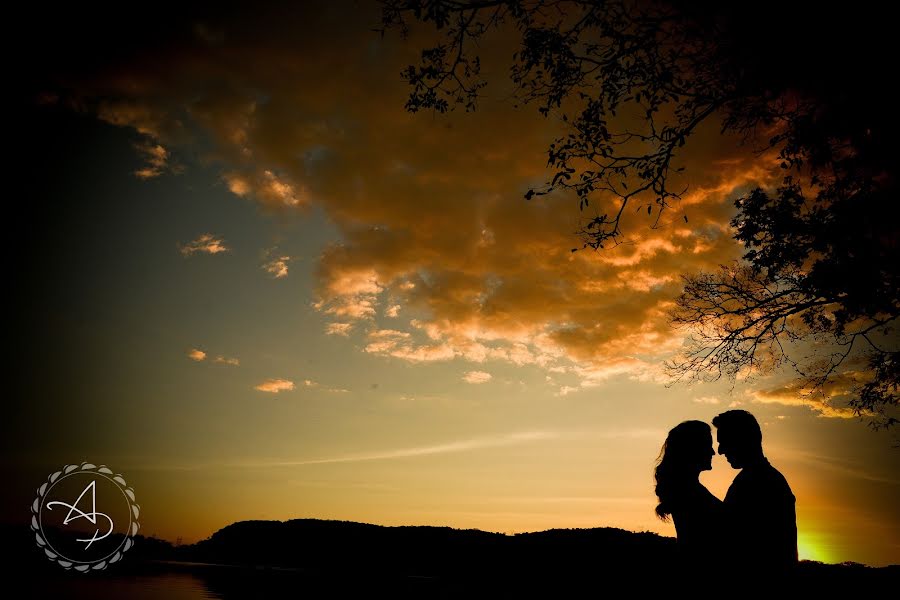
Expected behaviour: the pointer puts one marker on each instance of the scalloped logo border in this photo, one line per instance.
(112, 558)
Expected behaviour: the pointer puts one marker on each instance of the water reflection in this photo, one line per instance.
(192, 581)
(151, 586)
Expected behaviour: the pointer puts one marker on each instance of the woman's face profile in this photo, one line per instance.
(706, 454)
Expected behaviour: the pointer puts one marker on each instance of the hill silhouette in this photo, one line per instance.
(428, 551)
(344, 558)
(471, 561)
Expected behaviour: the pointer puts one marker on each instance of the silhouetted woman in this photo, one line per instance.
(697, 514)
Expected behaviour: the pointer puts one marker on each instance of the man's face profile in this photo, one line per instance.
(728, 449)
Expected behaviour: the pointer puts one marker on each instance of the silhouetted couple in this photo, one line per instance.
(752, 534)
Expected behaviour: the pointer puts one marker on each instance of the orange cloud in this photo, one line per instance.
(197, 355)
(206, 243)
(156, 158)
(273, 386)
(338, 329)
(277, 267)
(826, 402)
(234, 362)
(707, 400)
(400, 344)
(271, 190)
(477, 377)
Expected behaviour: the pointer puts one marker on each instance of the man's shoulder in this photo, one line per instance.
(773, 477)
(760, 480)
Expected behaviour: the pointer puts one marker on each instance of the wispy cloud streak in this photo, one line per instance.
(511, 439)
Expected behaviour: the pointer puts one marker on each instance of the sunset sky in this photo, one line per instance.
(248, 280)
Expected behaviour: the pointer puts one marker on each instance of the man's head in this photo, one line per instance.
(739, 436)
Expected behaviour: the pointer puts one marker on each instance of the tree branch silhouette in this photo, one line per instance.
(817, 287)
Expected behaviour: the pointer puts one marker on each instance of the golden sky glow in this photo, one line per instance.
(354, 314)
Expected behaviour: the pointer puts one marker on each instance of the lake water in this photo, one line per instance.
(184, 581)
(176, 586)
(191, 581)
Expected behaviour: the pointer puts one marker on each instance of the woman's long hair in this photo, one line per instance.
(678, 454)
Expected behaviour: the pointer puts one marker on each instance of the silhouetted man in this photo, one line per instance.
(759, 505)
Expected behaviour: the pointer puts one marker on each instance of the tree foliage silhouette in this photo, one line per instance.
(635, 79)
